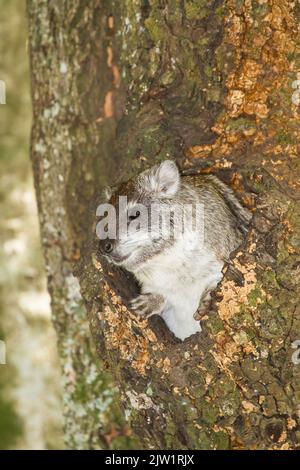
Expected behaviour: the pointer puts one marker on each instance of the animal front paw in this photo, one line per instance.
(147, 305)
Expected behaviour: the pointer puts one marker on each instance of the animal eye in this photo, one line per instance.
(134, 216)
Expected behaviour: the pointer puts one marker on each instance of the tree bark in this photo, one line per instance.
(117, 86)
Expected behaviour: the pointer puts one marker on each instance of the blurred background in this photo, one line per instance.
(30, 394)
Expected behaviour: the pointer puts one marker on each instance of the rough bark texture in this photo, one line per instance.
(116, 87)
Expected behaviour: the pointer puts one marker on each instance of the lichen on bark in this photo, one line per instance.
(208, 85)
(65, 68)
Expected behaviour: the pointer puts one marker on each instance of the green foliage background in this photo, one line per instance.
(24, 306)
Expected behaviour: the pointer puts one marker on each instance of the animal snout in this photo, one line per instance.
(106, 246)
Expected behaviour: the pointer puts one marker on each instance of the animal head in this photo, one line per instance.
(138, 224)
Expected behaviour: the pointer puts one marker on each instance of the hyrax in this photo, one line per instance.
(174, 234)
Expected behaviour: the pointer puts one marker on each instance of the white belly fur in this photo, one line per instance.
(181, 275)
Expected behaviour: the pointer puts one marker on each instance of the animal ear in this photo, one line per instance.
(164, 179)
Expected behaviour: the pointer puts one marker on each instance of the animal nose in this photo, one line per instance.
(107, 247)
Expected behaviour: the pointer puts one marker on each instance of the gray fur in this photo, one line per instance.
(174, 274)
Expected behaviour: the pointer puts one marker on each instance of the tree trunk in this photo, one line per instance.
(212, 84)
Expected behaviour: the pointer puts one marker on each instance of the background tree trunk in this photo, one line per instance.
(117, 86)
